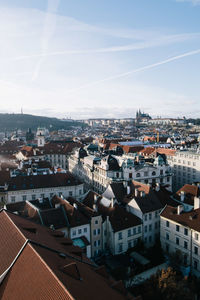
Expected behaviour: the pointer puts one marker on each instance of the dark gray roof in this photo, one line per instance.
(149, 202)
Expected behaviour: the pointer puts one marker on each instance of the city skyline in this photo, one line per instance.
(89, 60)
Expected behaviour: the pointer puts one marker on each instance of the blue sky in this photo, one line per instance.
(105, 58)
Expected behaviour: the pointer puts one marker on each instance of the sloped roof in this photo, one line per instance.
(75, 216)
(120, 219)
(190, 191)
(189, 219)
(119, 190)
(30, 278)
(41, 181)
(48, 267)
(55, 217)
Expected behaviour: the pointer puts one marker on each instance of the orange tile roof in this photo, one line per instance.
(47, 268)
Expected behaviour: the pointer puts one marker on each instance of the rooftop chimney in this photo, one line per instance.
(157, 187)
(125, 183)
(142, 194)
(94, 207)
(112, 202)
(196, 202)
(180, 208)
(75, 205)
(182, 196)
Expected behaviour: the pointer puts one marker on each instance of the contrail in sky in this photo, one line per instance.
(147, 67)
(161, 41)
(48, 31)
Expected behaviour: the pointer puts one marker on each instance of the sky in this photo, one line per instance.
(100, 59)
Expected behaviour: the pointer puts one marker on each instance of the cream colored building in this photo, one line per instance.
(186, 168)
(180, 231)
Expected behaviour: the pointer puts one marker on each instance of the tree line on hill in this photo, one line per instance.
(24, 121)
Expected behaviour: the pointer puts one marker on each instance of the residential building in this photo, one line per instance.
(22, 188)
(180, 232)
(121, 230)
(98, 172)
(186, 168)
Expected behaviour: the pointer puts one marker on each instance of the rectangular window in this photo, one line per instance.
(24, 198)
(119, 235)
(177, 228)
(177, 241)
(79, 231)
(94, 232)
(145, 228)
(85, 229)
(120, 248)
(196, 236)
(98, 231)
(167, 223)
(167, 236)
(185, 231)
(139, 229)
(150, 227)
(96, 222)
(74, 232)
(129, 232)
(195, 250)
(150, 216)
(185, 245)
(12, 198)
(134, 231)
(99, 242)
(145, 217)
(33, 197)
(195, 264)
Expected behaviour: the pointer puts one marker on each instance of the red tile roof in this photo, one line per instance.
(47, 268)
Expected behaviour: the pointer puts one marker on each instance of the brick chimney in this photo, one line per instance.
(180, 208)
(196, 202)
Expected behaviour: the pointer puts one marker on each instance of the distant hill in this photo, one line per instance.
(24, 121)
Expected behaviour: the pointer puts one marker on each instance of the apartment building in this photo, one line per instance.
(186, 168)
(22, 188)
(180, 232)
(99, 172)
(121, 230)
